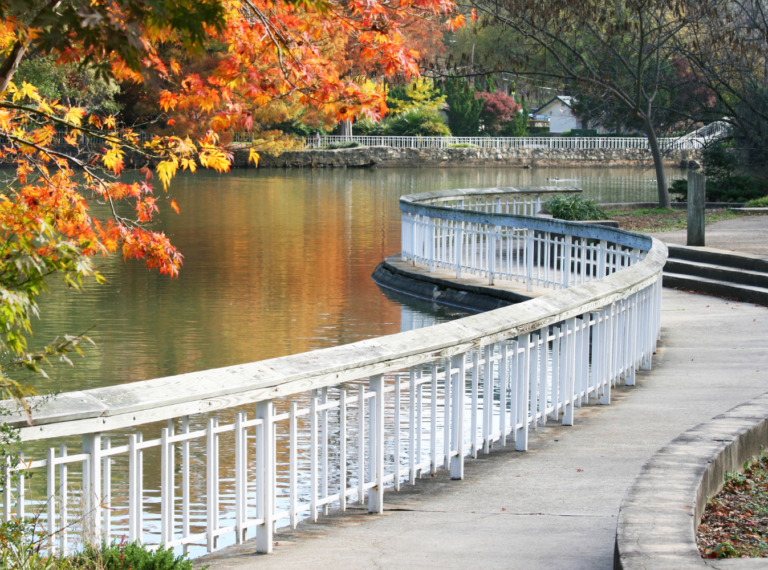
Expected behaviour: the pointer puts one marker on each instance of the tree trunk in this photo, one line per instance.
(658, 163)
(345, 128)
(11, 64)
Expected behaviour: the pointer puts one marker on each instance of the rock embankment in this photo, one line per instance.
(389, 157)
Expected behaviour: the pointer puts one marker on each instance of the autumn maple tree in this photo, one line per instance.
(64, 157)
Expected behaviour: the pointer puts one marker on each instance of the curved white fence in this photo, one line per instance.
(208, 458)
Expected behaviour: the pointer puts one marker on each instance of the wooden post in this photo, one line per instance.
(696, 191)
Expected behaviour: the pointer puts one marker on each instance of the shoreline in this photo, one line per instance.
(390, 157)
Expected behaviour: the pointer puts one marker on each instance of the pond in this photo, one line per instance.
(277, 262)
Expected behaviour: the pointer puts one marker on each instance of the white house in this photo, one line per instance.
(560, 112)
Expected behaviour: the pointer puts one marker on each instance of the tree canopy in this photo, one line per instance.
(209, 62)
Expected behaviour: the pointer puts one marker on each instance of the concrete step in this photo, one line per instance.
(717, 272)
(744, 293)
(720, 257)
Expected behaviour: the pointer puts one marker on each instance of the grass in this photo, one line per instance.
(735, 524)
(658, 220)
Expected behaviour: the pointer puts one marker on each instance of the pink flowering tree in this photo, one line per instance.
(498, 110)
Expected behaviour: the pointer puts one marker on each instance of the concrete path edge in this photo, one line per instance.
(663, 507)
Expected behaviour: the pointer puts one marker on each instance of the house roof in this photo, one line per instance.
(565, 99)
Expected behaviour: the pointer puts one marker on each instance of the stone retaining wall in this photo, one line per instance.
(389, 157)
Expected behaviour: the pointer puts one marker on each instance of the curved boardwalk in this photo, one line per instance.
(712, 357)
(554, 507)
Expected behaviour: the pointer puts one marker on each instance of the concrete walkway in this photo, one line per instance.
(554, 507)
(746, 235)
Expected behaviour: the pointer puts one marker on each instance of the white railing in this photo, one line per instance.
(457, 235)
(207, 458)
(587, 143)
(708, 133)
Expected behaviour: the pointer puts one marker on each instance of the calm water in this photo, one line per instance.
(277, 262)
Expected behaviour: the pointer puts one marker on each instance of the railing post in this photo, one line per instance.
(608, 343)
(491, 253)
(459, 249)
(51, 496)
(63, 484)
(166, 476)
(602, 252)
(523, 393)
(107, 490)
(212, 483)
(7, 494)
(240, 476)
(134, 488)
(185, 479)
(503, 364)
(646, 328)
(431, 249)
(529, 249)
(265, 477)
(376, 417)
(457, 416)
(92, 489)
(404, 230)
(570, 371)
(543, 374)
(487, 397)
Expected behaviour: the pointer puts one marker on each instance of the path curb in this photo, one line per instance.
(663, 507)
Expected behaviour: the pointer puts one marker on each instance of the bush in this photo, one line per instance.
(296, 128)
(22, 548)
(414, 123)
(498, 110)
(129, 556)
(464, 108)
(725, 183)
(679, 189)
(758, 203)
(574, 208)
(338, 145)
(580, 133)
(725, 180)
(366, 127)
(462, 145)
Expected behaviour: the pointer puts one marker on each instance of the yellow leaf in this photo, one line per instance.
(75, 116)
(29, 90)
(214, 158)
(166, 170)
(253, 156)
(113, 159)
(189, 163)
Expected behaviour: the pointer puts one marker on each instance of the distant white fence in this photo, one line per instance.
(586, 143)
(209, 457)
(695, 140)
